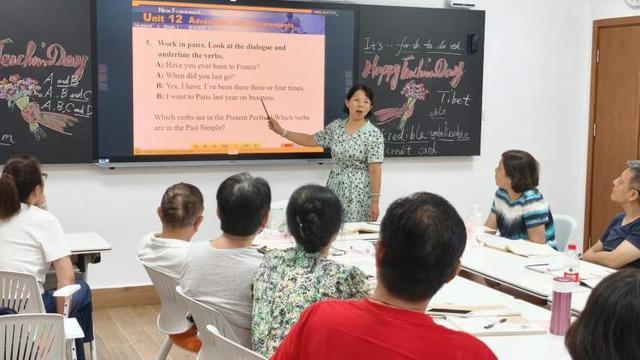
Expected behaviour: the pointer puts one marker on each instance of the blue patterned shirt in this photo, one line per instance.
(515, 217)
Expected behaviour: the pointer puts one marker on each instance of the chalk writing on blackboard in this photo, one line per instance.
(21, 93)
(426, 80)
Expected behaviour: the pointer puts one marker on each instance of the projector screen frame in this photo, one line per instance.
(215, 159)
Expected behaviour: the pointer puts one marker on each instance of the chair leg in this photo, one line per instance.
(94, 352)
(166, 347)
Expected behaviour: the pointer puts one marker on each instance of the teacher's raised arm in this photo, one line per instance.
(298, 138)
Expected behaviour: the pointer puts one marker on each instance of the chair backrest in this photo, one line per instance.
(565, 226)
(204, 315)
(32, 336)
(229, 350)
(19, 291)
(173, 311)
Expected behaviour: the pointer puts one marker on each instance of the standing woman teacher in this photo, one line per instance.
(357, 147)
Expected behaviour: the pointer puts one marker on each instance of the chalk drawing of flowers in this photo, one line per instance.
(413, 92)
(18, 93)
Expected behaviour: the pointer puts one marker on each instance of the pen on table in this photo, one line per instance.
(265, 109)
(489, 326)
(532, 265)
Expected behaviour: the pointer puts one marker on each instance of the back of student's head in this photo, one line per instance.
(314, 216)
(609, 328)
(243, 203)
(181, 206)
(20, 176)
(422, 238)
(522, 169)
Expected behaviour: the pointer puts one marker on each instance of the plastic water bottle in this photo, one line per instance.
(572, 264)
(474, 224)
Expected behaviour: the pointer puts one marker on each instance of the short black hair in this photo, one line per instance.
(243, 202)
(314, 216)
(522, 169)
(367, 91)
(181, 205)
(422, 238)
(608, 327)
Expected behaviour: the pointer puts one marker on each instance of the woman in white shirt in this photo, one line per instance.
(32, 239)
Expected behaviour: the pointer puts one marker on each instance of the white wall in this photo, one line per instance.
(535, 98)
(603, 9)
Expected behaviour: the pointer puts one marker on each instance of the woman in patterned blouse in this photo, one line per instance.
(357, 147)
(289, 280)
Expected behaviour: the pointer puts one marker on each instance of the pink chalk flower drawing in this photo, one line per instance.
(18, 92)
(413, 92)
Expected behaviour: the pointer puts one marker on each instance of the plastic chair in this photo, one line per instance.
(173, 311)
(19, 291)
(565, 226)
(204, 315)
(32, 336)
(229, 350)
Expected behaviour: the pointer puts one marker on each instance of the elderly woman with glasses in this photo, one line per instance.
(619, 245)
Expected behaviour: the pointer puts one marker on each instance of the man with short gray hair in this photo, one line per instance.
(619, 245)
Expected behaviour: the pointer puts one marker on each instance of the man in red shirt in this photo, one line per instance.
(422, 238)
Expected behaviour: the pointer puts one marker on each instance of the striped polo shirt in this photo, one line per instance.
(529, 210)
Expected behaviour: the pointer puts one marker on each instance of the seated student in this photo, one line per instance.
(619, 245)
(608, 327)
(519, 211)
(421, 240)
(290, 280)
(180, 212)
(219, 273)
(32, 239)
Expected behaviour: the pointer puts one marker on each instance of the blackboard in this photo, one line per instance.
(425, 68)
(46, 80)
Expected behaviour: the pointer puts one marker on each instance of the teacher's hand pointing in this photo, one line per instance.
(275, 126)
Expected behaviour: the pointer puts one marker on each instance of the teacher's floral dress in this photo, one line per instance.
(352, 153)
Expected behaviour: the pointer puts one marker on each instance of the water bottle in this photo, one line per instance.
(474, 224)
(560, 305)
(572, 264)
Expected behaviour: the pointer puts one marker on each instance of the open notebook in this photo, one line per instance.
(471, 310)
(518, 247)
(497, 326)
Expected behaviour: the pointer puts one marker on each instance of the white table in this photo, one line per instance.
(86, 248)
(461, 291)
(509, 269)
(529, 347)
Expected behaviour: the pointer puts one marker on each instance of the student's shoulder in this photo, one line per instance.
(531, 195)
(332, 308)
(37, 217)
(465, 343)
